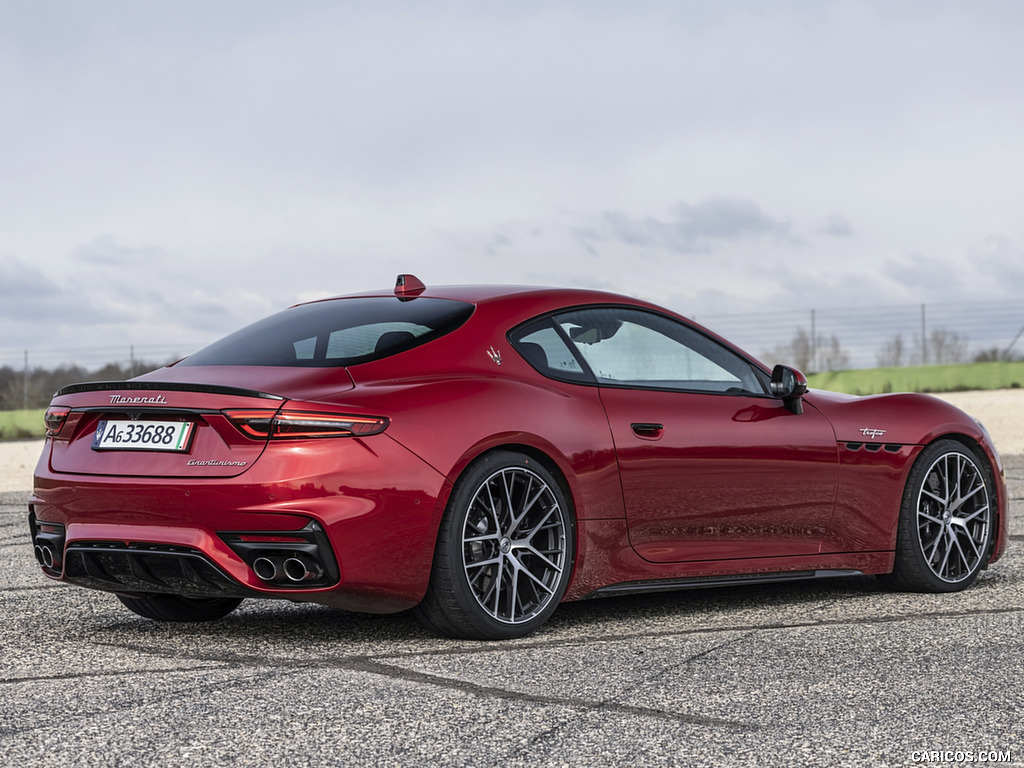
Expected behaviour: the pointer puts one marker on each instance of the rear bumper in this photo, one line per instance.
(299, 528)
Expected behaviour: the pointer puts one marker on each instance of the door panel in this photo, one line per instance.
(708, 476)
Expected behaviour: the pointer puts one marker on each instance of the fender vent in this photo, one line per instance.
(874, 447)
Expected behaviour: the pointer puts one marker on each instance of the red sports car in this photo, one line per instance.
(480, 454)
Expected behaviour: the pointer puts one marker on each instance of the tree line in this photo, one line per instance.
(940, 347)
(35, 387)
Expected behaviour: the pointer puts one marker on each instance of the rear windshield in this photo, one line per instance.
(336, 332)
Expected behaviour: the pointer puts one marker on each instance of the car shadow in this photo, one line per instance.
(297, 628)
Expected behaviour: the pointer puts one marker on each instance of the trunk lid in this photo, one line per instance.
(175, 422)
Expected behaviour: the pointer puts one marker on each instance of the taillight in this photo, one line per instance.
(55, 417)
(263, 423)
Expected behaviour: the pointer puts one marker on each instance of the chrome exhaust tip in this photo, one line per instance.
(44, 555)
(265, 568)
(299, 570)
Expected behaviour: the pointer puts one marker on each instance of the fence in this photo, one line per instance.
(125, 356)
(866, 337)
(918, 334)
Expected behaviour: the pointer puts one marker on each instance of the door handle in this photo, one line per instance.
(648, 431)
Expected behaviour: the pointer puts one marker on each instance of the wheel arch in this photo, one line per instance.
(533, 447)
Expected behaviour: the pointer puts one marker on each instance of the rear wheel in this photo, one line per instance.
(179, 607)
(504, 552)
(946, 521)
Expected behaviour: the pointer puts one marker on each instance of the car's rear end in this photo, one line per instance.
(247, 470)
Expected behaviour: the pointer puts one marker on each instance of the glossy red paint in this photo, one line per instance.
(727, 478)
(663, 484)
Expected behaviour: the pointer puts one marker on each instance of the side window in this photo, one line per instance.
(633, 348)
(544, 348)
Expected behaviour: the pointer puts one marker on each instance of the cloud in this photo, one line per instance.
(1001, 259)
(105, 251)
(30, 299)
(689, 228)
(19, 282)
(38, 311)
(837, 226)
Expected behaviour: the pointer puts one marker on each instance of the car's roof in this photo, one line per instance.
(481, 294)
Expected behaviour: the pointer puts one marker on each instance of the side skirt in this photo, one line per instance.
(705, 582)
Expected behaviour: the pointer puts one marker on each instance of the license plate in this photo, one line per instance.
(117, 435)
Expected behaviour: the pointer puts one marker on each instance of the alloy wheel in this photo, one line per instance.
(514, 545)
(953, 517)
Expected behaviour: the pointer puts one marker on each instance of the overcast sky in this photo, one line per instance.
(170, 171)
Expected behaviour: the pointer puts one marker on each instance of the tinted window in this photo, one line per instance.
(628, 347)
(336, 332)
(544, 348)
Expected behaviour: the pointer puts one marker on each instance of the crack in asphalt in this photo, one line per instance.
(495, 692)
(371, 666)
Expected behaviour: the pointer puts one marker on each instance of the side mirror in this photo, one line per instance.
(789, 385)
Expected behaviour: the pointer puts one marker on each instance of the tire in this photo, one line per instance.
(180, 608)
(504, 554)
(947, 521)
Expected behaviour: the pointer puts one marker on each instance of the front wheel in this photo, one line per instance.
(946, 522)
(179, 607)
(504, 552)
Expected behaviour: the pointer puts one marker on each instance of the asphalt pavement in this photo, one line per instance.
(826, 673)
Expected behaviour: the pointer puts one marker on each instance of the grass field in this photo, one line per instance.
(22, 425)
(927, 378)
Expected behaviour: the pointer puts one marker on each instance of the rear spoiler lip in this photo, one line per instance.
(166, 386)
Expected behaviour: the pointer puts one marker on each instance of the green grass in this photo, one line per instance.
(22, 425)
(925, 378)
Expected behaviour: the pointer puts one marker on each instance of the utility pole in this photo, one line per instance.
(814, 344)
(924, 339)
(1006, 353)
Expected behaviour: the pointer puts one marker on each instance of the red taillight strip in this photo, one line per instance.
(54, 419)
(256, 423)
(285, 425)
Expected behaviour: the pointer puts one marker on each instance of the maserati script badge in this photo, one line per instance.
(869, 432)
